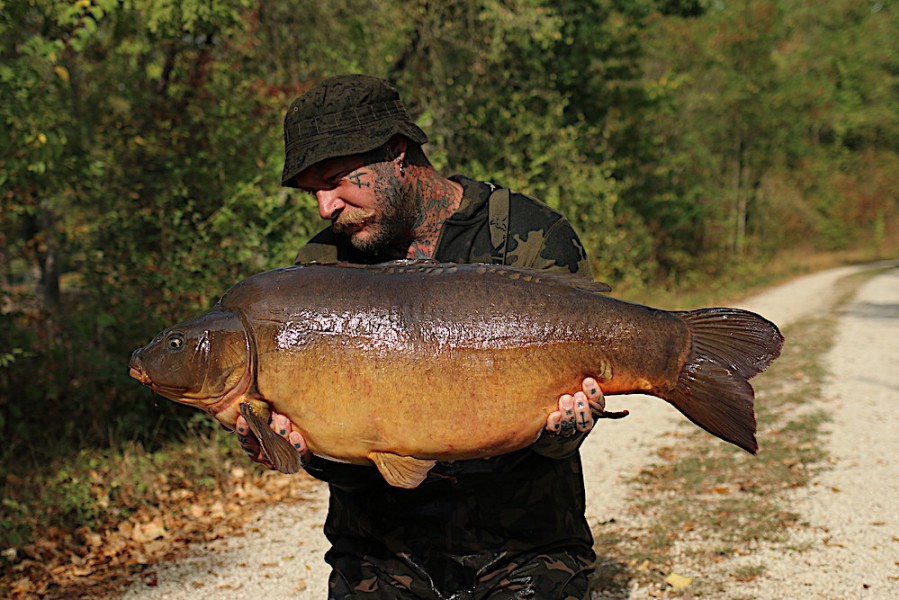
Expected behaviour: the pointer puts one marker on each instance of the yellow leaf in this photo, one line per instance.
(147, 532)
(61, 72)
(23, 585)
(678, 581)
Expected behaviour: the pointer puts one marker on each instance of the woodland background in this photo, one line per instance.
(690, 142)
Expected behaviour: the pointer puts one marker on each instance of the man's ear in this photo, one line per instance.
(396, 149)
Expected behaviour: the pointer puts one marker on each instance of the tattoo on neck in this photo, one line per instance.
(436, 201)
(418, 250)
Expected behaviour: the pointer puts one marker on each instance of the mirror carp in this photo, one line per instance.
(403, 365)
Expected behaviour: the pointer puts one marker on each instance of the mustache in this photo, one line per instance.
(348, 219)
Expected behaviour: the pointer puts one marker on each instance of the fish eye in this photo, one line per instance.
(175, 342)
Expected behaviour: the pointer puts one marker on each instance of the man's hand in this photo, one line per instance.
(280, 425)
(575, 412)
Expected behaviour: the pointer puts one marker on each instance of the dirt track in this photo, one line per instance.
(853, 540)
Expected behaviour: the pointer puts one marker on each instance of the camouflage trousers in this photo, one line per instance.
(560, 575)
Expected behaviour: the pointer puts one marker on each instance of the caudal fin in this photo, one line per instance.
(729, 346)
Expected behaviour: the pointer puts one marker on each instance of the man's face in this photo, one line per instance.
(364, 200)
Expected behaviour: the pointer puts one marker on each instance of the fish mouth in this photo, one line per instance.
(139, 374)
(136, 369)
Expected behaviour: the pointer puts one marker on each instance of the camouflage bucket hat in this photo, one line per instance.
(343, 115)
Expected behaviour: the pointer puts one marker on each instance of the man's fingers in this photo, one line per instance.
(281, 425)
(594, 394)
(245, 438)
(554, 422)
(575, 414)
(583, 415)
(566, 407)
(299, 443)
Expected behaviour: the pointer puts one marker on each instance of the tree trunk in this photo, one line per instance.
(47, 257)
(740, 197)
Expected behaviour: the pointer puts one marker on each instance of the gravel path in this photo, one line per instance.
(851, 548)
(854, 533)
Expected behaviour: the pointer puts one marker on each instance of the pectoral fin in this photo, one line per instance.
(278, 450)
(401, 471)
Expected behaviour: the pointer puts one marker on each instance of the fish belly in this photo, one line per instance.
(449, 404)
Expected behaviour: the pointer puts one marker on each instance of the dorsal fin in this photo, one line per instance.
(524, 273)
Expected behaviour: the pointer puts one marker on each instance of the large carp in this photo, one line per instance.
(402, 365)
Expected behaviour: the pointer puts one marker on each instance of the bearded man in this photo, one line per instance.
(510, 526)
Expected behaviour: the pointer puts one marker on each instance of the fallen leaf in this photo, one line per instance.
(23, 585)
(678, 582)
(81, 571)
(145, 532)
(217, 510)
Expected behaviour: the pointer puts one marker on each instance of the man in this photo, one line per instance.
(511, 526)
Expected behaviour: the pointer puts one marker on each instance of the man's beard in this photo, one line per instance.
(395, 220)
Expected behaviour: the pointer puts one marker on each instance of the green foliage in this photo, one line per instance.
(133, 178)
(769, 111)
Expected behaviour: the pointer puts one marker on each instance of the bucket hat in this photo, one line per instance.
(343, 115)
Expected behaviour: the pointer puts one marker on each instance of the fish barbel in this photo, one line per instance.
(403, 365)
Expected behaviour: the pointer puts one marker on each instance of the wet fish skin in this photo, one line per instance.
(449, 362)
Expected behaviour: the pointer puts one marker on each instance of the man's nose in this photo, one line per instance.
(329, 203)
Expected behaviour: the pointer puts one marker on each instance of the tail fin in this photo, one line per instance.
(729, 346)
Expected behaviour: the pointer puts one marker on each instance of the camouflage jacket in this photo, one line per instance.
(530, 499)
